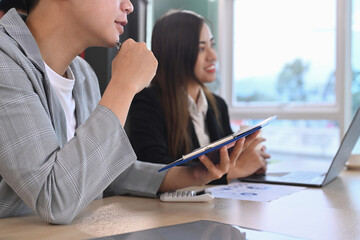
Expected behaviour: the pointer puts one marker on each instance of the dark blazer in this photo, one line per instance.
(147, 132)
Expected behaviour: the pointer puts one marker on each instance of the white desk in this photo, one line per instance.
(332, 212)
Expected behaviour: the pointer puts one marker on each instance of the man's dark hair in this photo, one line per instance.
(24, 5)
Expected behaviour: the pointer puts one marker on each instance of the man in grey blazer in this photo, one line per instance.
(60, 151)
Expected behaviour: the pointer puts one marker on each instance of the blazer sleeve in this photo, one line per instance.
(224, 115)
(146, 128)
(140, 179)
(38, 175)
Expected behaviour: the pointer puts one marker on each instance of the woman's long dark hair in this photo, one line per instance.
(175, 44)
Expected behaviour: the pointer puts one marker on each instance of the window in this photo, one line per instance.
(355, 60)
(290, 58)
(285, 55)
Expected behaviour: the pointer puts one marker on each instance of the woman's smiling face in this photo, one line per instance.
(205, 70)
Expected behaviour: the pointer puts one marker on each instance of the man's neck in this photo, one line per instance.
(53, 35)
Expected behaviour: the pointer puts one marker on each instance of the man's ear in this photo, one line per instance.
(2, 13)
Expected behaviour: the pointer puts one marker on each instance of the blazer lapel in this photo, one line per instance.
(14, 25)
(79, 95)
(17, 29)
(212, 125)
(194, 138)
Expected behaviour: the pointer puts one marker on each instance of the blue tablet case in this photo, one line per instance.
(210, 148)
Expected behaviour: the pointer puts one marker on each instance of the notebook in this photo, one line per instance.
(312, 178)
(203, 229)
(210, 148)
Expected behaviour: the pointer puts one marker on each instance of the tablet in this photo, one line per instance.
(210, 148)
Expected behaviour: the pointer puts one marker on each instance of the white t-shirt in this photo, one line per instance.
(63, 88)
(197, 113)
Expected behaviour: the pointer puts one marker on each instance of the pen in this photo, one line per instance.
(118, 45)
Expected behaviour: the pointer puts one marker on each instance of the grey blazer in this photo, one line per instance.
(39, 170)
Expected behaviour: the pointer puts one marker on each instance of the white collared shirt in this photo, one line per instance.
(63, 88)
(197, 113)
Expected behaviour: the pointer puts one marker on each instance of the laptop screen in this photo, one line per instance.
(345, 149)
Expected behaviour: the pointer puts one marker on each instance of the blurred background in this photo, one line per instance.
(297, 59)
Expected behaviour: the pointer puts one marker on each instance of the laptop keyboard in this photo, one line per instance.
(300, 176)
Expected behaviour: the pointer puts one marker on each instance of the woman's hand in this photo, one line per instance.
(208, 171)
(251, 160)
(181, 177)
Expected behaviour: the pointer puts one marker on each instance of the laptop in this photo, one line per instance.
(312, 178)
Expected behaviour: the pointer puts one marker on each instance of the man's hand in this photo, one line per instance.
(132, 70)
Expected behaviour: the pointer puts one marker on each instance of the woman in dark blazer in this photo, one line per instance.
(177, 113)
